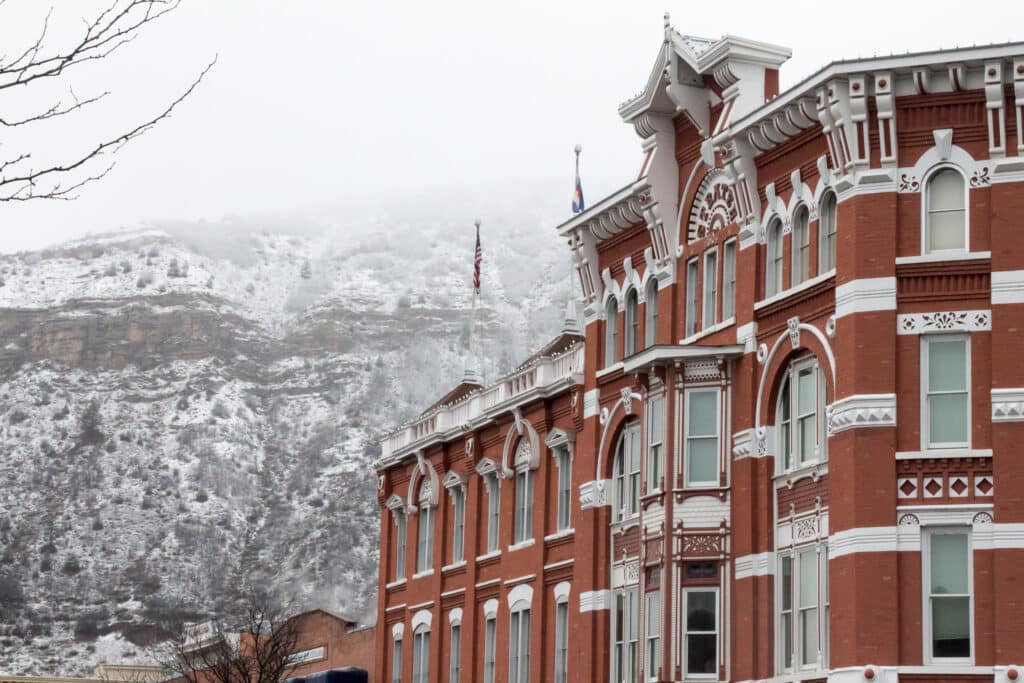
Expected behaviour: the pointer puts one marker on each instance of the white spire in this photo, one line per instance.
(572, 322)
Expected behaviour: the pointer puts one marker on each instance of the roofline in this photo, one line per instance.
(605, 203)
(670, 353)
(892, 62)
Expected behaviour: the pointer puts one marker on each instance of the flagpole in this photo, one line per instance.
(471, 369)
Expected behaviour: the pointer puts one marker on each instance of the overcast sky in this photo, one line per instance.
(319, 103)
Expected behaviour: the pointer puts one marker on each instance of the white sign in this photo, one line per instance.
(306, 655)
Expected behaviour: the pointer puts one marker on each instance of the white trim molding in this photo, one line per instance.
(591, 601)
(562, 590)
(521, 593)
(744, 445)
(455, 616)
(591, 403)
(875, 539)
(491, 609)
(746, 334)
(944, 321)
(761, 564)
(595, 494)
(1007, 287)
(1008, 405)
(862, 410)
(866, 294)
(421, 618)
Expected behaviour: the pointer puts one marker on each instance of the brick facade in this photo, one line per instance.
(828, 400)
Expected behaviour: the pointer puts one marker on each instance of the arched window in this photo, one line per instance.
(632, 323)
(627, 473)
(421, 654)
(946, 219)
(827, 233)
(800, 416)
(519, 643)
(425, 545)
(651, 319)
(773, 266)
(611, 332)
(523, 530)
(801, 246)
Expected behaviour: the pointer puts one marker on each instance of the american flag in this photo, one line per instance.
(478, 258)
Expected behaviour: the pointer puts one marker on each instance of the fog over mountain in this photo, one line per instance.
(186, 405)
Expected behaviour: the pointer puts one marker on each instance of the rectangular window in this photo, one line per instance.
(946, 409)
(949, 587)
(400, 545)
(519, 647)
(807, 414)
(421, 657)
(459, 523)
(564, 464)
(627, 474)
(396, 661)
(701, 639)
(455, 655)
(652, 620)
(625, 661)
(729, 280)
(493, 511)
(691, 297)
(710, 289)
(702, 437)
(655, 439)
(651, 310)
(803, 610)
(524, 506)
(801, 246)
(490, 632)
(425, 549)
(561, 642)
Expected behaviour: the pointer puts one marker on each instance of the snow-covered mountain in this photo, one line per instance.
(186, 405)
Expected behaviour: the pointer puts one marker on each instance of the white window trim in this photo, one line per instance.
(710, 318)
(455, 656)
(493, 485)
(563, 459)
(734, 244)
(458, 492)
(686, 438)
(925, 193)
(793, 553)
(653, 596)
(562, 591)
(626, 592)
(718, 631)
(691, 318)
(621, 509)
(631, 344)
(651, 313)
(523, 470)
(517, 607)
(794, 249)
(773, 282)
(925, 426)
(821, 426)
(821, 231)
(651, 441)
(926, 580)
(611, 332)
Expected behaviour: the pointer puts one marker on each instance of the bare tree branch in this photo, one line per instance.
(24, 185)
(56, 110)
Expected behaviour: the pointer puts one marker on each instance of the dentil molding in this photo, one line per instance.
(862, 410)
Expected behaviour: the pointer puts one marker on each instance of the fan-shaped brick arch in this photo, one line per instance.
(714, 206)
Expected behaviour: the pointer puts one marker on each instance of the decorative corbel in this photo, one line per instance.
(995, 110)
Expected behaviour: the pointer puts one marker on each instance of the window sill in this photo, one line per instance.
(940, 453)
(423, 574)
(453, 566)
(519, 546)
(560, 534)
(697, 336)
(939, 257)
(394, 584)
(814, 470)
(489, 556)
(806, 284)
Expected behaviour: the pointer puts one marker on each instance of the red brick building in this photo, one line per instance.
(785, 449)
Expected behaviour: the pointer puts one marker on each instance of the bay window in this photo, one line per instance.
(701, 445)
(627, 473)
(800, 416)
(802, 615)
(700, 644)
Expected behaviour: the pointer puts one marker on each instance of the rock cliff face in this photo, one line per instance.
(187, 407)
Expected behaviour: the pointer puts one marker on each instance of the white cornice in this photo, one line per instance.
(761, 564)
(1008, 286)
(1008, 405)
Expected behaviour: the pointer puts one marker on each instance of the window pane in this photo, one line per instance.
(805, 391)
(703, 460)
(947, 365)
(808, 579)
(808, 438)
(946, 230)
(700, 654)
(787, 583)
(809, 635)
(787, 641)
(949, 563)
(946, 191)
(947, 417)
(951, 627)
(700, 611)
(703, 407)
